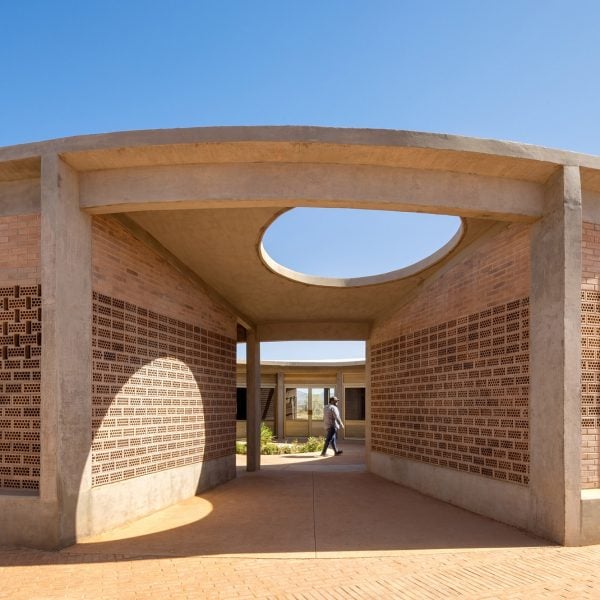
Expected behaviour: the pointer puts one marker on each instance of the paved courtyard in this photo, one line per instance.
(306, 527)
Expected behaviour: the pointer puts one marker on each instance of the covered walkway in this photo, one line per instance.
(305, 506)
(306, 528)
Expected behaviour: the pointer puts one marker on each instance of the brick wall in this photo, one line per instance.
(20, 352)
(163, 363)
(450, 370)
(590, 358)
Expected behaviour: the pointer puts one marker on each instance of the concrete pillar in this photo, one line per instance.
(555, 351)
(340, 395)
(66, 386)
(253, 399)
(368, 404)
(280, 406)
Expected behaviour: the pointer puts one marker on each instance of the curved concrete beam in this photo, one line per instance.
(267, 184)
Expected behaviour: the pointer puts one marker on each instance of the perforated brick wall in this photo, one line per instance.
(163, 392)
(590, 357)
(20, 352)
(456, 394)
(450, 369)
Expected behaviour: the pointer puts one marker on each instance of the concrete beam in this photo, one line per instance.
(555, 351)
(66, 384)
(313, 330)
(324, 185)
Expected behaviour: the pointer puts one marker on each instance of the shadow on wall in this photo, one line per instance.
(163, 399)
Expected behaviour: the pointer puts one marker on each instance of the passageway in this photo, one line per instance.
(305, 506)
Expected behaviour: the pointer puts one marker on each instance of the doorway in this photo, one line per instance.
(304, 409)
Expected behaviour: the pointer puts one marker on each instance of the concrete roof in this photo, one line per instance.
(206, 196)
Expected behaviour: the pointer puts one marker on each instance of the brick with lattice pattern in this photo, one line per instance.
(163, 392)
(20, 356)
(456, 394)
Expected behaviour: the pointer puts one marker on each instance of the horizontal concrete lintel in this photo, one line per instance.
(313, 330)
(20, 197)
(266, 184)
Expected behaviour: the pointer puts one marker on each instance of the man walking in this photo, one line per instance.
(332, 422)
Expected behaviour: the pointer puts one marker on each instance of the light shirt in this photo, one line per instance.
(331, 417)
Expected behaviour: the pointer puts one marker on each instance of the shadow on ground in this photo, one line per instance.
(302, 507)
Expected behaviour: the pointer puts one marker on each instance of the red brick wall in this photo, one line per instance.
(163, 363)
(590, 359)
(498, 272)
(450, 370)
(20, 352)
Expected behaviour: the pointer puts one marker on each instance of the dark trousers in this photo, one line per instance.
(330, 438)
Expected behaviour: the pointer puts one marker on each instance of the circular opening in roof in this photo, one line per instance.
(346, 247)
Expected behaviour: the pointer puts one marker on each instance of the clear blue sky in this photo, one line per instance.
(523, 70)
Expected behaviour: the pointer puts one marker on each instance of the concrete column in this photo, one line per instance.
(368, 404)
(555, 351)
(340, 395)
(280, 406)
(253, 399)
(66, 384)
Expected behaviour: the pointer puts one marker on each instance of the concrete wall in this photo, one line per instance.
(450, 382)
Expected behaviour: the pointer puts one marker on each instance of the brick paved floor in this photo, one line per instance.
(389, 549)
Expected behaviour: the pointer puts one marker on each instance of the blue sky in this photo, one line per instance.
(523, 70)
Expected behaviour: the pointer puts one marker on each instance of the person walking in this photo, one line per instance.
(332, 422)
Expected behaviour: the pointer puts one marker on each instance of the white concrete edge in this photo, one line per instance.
(347, 282)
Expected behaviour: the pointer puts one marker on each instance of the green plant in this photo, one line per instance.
(241, 448)
(266, 435)
(270, 448)
(313, 444)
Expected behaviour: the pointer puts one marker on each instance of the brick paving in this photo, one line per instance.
(145, 560)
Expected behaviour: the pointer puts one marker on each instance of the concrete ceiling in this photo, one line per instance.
(221, 247)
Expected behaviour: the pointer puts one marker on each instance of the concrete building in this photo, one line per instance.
(294, 393)
(131, 264)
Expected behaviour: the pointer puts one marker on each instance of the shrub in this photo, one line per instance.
(268, 446)
(266, 435)
(313, 444)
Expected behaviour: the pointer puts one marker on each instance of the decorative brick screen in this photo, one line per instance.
(163, 392)
(20, 355)
(590, 357)
(456, 394)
